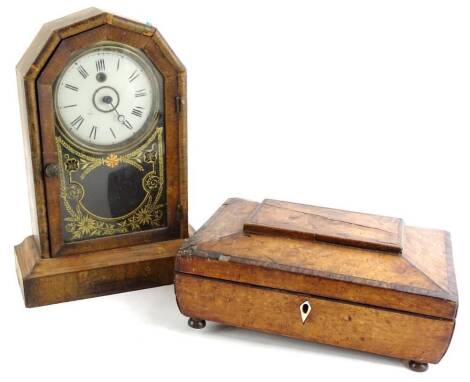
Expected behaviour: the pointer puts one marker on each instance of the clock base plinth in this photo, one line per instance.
(74, 277)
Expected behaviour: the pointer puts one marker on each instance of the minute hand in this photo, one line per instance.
(121, 118)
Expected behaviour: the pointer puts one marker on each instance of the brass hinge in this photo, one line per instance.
(178, 104)
(179, 212)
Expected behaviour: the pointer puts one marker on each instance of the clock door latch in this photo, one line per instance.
(51, 170)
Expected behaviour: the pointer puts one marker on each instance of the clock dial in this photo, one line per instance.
(107, 98)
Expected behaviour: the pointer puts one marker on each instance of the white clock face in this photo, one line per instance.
(107, 97)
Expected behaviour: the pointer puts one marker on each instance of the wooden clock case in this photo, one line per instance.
(49, 270)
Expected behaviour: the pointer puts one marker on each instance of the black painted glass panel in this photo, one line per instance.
(114, 193)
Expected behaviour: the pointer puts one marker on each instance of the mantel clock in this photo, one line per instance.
(104, 123)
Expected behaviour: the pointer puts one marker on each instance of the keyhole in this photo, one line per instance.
(101, 77)
(305, 310)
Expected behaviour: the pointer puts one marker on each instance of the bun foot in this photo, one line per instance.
(417, 366)
(196, 324)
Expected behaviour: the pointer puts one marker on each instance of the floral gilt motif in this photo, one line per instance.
(79, 222)
(112, 160)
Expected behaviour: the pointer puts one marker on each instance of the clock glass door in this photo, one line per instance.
(110, 143)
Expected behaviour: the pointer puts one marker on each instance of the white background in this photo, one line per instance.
(361, 105)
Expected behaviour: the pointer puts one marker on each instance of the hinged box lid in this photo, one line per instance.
(354, 257)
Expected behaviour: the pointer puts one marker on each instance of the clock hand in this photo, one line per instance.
(121, 118)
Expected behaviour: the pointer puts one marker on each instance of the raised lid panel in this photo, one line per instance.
(327, 225)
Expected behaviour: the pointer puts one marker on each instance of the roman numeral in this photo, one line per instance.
(137, 111)
(100, 66)
(77, 122)
(71, 87)
(112, 132)
(82, 71)
(133, 76)
(128, 125)
(93, 131)
(141, 93)
(117, 67)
